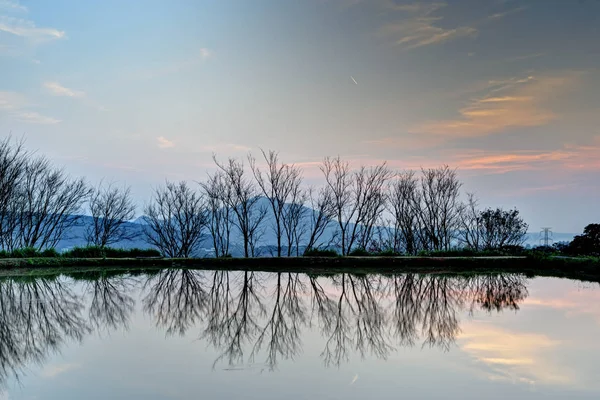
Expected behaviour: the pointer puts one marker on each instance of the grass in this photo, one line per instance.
(80, 252)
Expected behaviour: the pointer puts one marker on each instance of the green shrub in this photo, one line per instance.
(85, 252)
(360, 252)
(387, 253)
(49, 253)
(25, 252)
(131, 253)
(4, 254)
(320, 253)
(109, 252)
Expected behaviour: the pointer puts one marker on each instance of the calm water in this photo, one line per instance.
(226, 335)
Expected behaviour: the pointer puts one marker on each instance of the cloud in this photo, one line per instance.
(568, 158)
(52, 371)
(12, 5)
(425, 8)
(516, 102)
(27, 29)
(421, 29)
(501, 15)
(164, 143)
(205, 53)
(15, 105)
(513, 356)
(58, 90)
(35, 118)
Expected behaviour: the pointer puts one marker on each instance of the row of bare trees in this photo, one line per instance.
(40, 203)
(369, 208)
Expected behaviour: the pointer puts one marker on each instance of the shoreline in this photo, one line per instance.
(587, 269)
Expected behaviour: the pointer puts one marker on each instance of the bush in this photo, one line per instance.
(387, 253)
(25, 252)
(4, 254)
(109, 252)
(320, 253)
(131, 253)
(49, 253)
(85, 252)
(359, 253)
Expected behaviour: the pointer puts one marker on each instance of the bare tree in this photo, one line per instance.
(294, 214)
(371, 198)
(111, 207)
(218, 193)
(13, 160)
(248, 214)
(404, 207)
(322, 213)
(439, 213)
(47, 205)
(471, 225)
(278, 184)
(176, 220)
(358, 199)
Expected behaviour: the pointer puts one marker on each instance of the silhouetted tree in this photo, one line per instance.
(439, 208)
(47, 205)
(278, 184)
(219, 194)
(244, 203)
(501, 228)
(294, 215)
(176, 219)
(13, 160)
(322, 213)
(110, 207)
(471, 225)
(588, 243)
(404, 206)
(359, 198)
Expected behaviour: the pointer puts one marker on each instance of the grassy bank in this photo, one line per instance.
(575, 268)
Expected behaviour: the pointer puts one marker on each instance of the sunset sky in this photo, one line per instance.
(506, 91)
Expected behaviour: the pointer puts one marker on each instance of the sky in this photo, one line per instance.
(506, 91)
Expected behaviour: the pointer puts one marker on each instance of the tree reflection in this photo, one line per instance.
(36, 317)
(248, 316)
(111, 305)
(233, 315)
(281, 333)
(497, 292)
(176, 298)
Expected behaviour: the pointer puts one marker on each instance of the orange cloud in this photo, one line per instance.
(507, 104)
(514, 356)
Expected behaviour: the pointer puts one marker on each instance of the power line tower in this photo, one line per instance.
(546, 236)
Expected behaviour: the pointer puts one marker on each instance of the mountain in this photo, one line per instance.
(267, 245)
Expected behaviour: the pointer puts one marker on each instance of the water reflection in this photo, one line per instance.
(36, 317)
(111, 305)
(250, 318)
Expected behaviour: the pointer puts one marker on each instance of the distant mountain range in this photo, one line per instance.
(75, 237)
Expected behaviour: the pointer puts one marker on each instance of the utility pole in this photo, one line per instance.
(546, 236)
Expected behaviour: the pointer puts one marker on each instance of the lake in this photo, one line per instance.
(183, 334)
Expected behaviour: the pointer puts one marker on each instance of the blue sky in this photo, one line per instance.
(507, 91)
